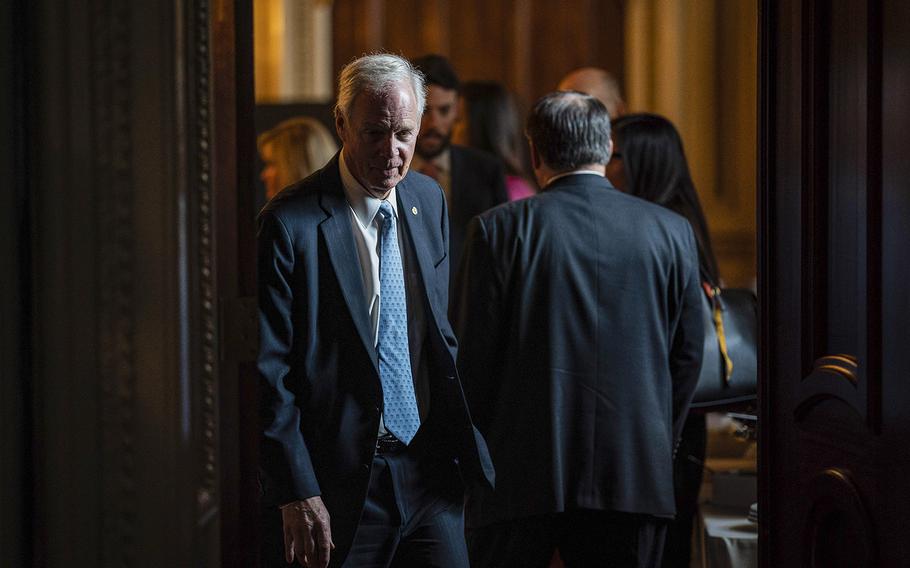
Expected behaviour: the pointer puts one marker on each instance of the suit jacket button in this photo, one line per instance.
(450, 377)
(366, 466)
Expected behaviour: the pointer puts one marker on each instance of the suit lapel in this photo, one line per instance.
(407, 204)
(339, 241)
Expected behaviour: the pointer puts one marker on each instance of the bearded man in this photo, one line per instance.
(473, 181)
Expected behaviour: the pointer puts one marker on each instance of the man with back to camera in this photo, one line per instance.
(366, 436)
(473, 181)
(580, 318)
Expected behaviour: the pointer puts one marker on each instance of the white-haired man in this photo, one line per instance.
(366, 436)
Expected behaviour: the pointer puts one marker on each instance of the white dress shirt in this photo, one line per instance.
(573, 173)
(365, 224)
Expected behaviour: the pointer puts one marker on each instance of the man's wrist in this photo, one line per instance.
(298, 502)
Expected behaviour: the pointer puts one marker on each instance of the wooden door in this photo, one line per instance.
(120, 239)
(834, 217)
(235, 212)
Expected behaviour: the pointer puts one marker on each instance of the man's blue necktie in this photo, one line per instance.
(400, 409)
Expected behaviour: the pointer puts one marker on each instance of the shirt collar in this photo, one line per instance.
(572, 173)
(364, 205)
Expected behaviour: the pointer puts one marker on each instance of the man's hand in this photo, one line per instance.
(307, 533)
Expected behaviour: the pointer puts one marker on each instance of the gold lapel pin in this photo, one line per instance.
(414, 210)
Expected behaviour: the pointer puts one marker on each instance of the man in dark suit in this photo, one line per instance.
(581, 340)
(473, 181)
(366, 435)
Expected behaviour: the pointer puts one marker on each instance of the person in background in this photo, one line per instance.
(473, 181)
(579, 318)
(649, 162)
(292, 150)
(488, 121)
(597, 83)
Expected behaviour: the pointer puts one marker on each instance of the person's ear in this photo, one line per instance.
(339, 125)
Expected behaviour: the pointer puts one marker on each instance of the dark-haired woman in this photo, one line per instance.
(649, 162)
(489, 122)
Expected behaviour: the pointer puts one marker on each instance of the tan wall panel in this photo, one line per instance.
(481, 37)
(357, 29)
(527, 44)
(568, 35)
(268, 48)
(639, 54)
(695, 62)
(413, 27)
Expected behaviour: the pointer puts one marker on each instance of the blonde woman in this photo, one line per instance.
(292, 150)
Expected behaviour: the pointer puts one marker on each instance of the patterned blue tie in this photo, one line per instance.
(400, 409)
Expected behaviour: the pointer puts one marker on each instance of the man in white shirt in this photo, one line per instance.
(366, 436)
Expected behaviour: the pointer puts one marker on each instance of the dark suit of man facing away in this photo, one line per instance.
(578, 313)
(355, 486)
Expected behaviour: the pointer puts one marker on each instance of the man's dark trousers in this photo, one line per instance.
(414, 511)
(584, 538)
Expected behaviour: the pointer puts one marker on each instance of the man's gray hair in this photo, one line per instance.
(570, 129)
(376, 73)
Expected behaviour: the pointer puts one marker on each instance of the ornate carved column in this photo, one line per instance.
(124, 314)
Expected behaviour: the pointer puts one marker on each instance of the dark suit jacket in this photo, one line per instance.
(477, 183)
(579, 321)
(321, 396)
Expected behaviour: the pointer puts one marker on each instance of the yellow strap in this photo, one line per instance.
(721, 338)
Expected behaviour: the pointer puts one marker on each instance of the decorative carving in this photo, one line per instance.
(112, 166)
(839, 530)
(840, 365)
(207, 400)
(832, 377)
(112, 176)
